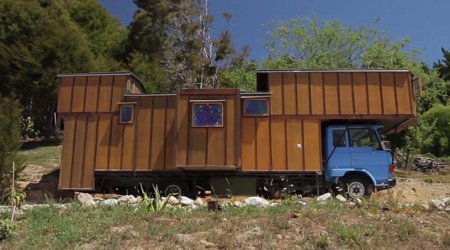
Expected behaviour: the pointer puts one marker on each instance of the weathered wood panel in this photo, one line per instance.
(312, 149)
(144, 126)
(65, 94)
(197, 147)
(331, 93)
(105, 93)
(278, 141)
(78, 95)
(232, 131)
(67, 153)
(360, 93)
(317, 97)
(78, 152)
(115, 146)
(303, 94)
(374, 93)
(276, 88)
(92, 87)
(183, 120)
(158, 133)
(248, 143)
(216, 147)
(289, 93)
(118, 91)
(263, 160)
(89, 153)
(346, 94)
(103, 141)
(294, 137)
(388, 93)
(128, 147)
(170, 132)
(403, 97)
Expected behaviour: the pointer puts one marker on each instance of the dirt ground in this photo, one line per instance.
(413, 190)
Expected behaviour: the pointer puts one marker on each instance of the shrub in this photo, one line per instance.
(7, 229)
(9, 142)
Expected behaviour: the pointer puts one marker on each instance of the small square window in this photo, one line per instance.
(126, 113)
(256, 107)
(207, 115)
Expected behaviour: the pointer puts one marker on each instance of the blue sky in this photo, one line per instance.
(425, 22)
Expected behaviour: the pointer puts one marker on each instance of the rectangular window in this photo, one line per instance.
(364, 137)
(256, 107)
(339, 139)
(207, 114)
(126, 113)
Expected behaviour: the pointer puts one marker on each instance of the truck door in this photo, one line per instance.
(366, 153)
(337, 150)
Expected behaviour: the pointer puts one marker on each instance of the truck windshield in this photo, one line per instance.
(364, 137)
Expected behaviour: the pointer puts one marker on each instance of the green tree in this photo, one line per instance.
(9, 141)
(176, 34)
(38, 40)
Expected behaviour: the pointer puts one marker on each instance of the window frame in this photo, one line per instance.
(256, 99)
(207, 102)
(127, 104)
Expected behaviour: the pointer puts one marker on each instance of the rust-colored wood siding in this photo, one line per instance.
(285, 144)
(207, 148)
(342, 95)
(93, 138)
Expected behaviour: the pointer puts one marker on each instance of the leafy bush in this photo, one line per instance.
(7, 229)
(9, 142)
(432, 135)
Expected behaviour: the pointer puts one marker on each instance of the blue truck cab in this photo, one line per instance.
(357, 159)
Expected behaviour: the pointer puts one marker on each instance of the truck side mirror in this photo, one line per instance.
(386, 145)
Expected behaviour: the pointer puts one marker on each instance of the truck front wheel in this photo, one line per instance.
(358, 187)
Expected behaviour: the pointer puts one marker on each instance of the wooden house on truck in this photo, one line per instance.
(300, 129)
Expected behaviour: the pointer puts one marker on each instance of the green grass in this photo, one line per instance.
(318, 225)
(47, 154)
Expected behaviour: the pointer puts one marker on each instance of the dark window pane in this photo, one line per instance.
(126, 113)
(207, 115)
(339, 138)
(256, 107)
(363, 137)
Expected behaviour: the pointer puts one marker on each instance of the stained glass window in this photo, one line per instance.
(207, 115)
(256, 107)
(126, 113)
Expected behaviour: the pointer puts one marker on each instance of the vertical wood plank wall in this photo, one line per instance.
(341, 93)
(93, 137)
(207, 147)
(301, 100)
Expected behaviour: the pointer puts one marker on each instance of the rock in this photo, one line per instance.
(207, 244)
(425, 207)
(128, 199)
(303, 202)
(185, 201)
(351, 204)
(109, 202)
(256, 201)
(324, 197)
(446, 201)
(199, 202)
(173, 201)
(85, 199)
(341, 198)
(438, 204)
(279, 237)
(184, 238)
(238, 204)
(357, 201)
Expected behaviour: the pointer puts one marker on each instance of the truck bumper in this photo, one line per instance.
(392, 182)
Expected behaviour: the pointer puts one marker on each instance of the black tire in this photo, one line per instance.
(357, 187)
(176, 188)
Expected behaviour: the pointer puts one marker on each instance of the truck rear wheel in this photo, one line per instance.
(357, 187)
